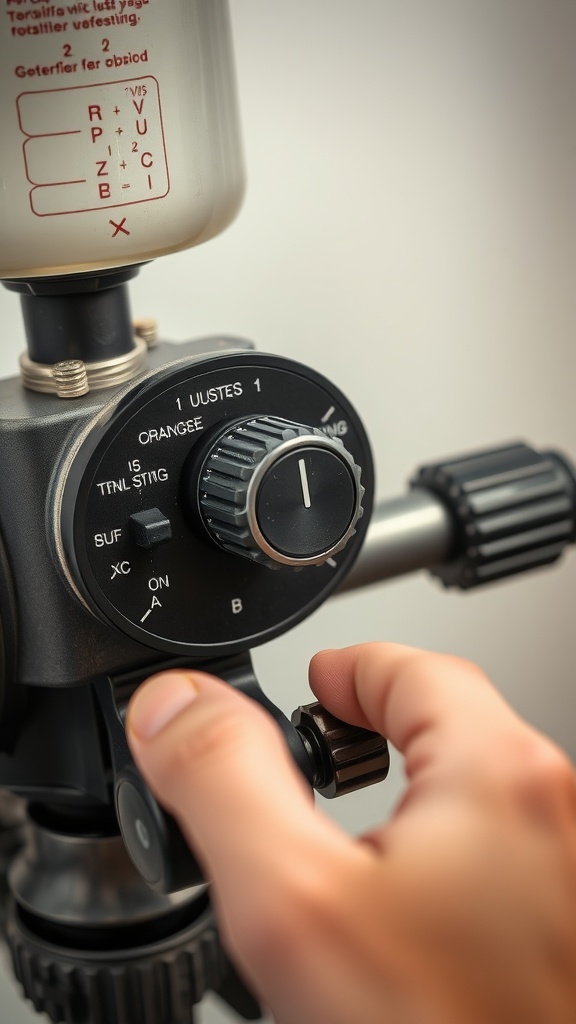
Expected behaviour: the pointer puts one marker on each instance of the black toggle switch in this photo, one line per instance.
(150, 528)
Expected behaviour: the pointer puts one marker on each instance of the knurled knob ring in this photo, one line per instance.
(251, 444)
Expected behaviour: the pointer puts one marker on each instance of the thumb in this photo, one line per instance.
(219, 763)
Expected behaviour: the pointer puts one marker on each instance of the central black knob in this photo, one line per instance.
(279, 492)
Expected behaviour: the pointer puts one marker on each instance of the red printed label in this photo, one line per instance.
(105, 146)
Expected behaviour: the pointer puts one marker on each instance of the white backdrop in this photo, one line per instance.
(410, 231)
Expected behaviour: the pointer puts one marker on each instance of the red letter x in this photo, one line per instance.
(119, 227)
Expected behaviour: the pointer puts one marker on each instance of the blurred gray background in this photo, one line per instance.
(410, 231)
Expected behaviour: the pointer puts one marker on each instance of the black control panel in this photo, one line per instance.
(215, 504)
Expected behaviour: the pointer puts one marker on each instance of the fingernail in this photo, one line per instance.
(158, 701)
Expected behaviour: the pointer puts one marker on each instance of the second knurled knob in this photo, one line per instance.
(345, 757)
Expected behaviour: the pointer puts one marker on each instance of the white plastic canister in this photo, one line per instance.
(119, 137)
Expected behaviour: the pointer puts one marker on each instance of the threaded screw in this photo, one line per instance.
(146, 328)
(70, 378)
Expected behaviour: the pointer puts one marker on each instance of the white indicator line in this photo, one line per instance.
(304, 482)
(328, 414)
(146, 614)
(331, 562)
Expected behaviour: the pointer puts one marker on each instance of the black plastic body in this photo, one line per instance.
(69, 669)
(61, 647)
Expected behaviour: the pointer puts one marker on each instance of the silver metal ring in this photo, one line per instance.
(73, 378)
(305, 441)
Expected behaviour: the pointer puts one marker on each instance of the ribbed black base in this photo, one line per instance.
(156, 982)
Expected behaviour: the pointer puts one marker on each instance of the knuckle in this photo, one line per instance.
(457, 664)
(541, 773)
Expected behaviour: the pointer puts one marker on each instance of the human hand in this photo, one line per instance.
(459, 910)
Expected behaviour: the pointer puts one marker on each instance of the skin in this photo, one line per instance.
(460, 909)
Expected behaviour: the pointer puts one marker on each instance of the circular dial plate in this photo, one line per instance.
(187, 595)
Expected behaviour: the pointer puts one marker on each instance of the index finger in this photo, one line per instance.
(409, 695)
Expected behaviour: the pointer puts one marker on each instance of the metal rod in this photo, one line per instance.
(405, 534)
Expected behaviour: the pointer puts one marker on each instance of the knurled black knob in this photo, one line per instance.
(280, 493)
(158, 983)
(513, 509)
(345, 757)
